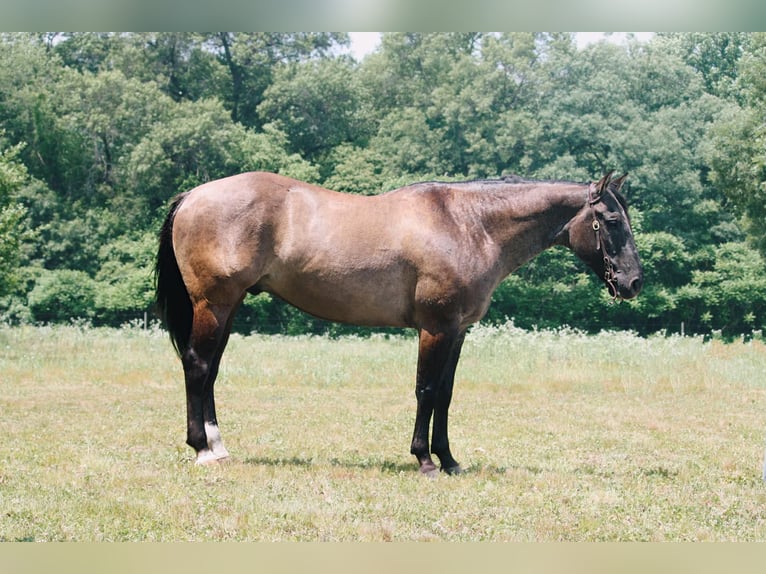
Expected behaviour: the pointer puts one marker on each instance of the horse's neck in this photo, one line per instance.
(531, 218)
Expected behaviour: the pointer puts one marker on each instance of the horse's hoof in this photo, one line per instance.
(429, 469)
(453, 470)
(433, 473)
(209, 458)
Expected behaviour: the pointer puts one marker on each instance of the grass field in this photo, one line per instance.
(563, 437)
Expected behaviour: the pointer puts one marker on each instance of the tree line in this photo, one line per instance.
(99, 130)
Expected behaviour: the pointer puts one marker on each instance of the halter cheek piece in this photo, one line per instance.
(609, 274)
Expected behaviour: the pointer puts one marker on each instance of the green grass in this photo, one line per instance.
(563, 437)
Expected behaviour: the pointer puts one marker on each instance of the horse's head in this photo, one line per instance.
(601, 236)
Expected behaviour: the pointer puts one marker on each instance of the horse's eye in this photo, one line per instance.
(612, 220)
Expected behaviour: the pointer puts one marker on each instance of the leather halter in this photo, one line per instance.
(609, 274)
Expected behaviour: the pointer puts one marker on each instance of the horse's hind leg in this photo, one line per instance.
(213, 434)
(210, 333)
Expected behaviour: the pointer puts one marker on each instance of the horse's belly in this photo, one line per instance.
(359, 298)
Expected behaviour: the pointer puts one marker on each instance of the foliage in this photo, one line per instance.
(316, 104)
(198, 143)
(62, 294)
(735, 150)
(125, 286)
(13, 176)
(100, 130)
(729, 294)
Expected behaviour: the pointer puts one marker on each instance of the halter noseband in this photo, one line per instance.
(609, 275)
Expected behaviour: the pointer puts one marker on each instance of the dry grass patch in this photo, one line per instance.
(564, 437)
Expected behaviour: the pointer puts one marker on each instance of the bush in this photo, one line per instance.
(62, 295)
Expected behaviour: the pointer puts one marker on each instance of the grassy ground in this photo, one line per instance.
(563, 436)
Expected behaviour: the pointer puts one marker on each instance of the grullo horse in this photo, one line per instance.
(426, 256)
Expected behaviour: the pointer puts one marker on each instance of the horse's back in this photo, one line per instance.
(339, 256)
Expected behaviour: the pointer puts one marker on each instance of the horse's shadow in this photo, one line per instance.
(477, 469)
(384, 466)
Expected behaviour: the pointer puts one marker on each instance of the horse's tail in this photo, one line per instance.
(172, 299)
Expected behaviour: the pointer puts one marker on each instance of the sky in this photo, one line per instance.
(363, 43)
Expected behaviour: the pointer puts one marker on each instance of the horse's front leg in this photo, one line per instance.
(440, 439)
(434, 352)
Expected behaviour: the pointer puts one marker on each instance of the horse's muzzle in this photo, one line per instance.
(628, 287)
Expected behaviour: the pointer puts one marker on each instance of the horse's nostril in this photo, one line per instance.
(635, 285)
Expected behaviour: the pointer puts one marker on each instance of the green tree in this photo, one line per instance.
(415, 87)
(107, 126)
(62, 295)
(252, 57)
(736, 148)
(85, 51)
(108, 114)
(727, 294)
(124, 281)
(408, 66)
(318, 105)
(29, 76)
(200, 142)
(495, 111)
(13, 176)
(714, 55)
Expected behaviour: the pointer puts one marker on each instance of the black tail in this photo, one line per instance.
(172, 299)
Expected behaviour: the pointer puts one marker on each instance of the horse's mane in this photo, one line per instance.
(517, 179)
(503, 180)
(513, 178)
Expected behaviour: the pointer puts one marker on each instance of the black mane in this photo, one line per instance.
(514, 178)
(504, 179)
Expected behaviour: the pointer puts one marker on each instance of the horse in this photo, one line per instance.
(426, 256)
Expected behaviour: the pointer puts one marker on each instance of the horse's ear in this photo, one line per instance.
(597, 189)
(617, 183)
